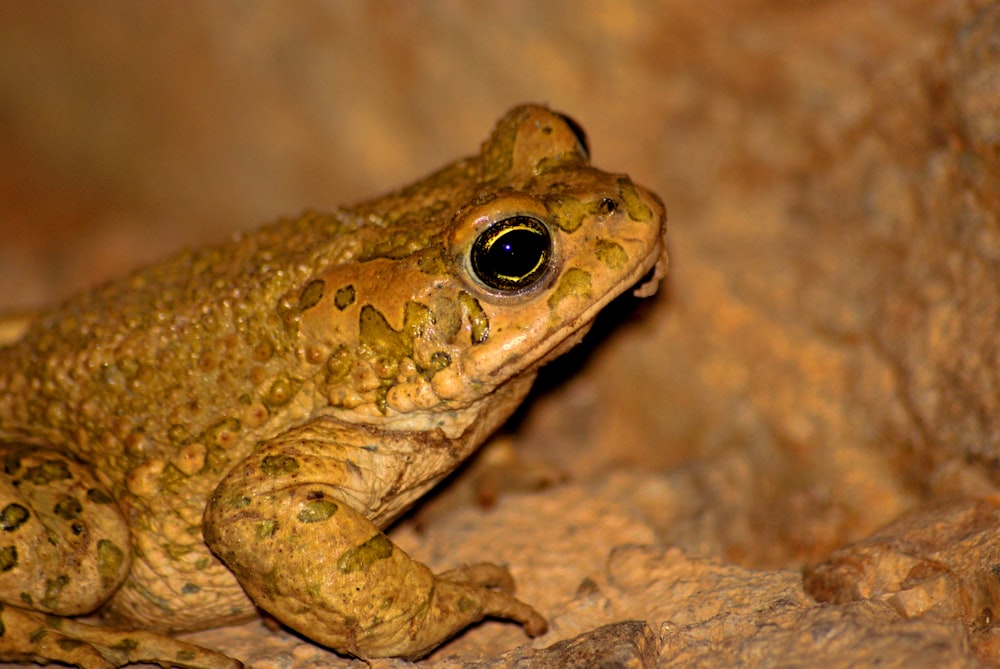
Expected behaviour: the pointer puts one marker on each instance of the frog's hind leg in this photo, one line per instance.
(64, 545)
(30, 636)
(64, 550)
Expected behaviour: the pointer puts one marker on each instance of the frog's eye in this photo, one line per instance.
(581, 136)
(512, 254)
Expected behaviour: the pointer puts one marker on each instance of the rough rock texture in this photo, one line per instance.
(824, 357)
(940, 561)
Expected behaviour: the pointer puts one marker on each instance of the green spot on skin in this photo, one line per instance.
(12, 517)
(611, 253)
(280, 392)
(265, 529)
(279, 465)
(221, 433)
(170, 476)
(159, 602)
(465, 604)
(416, 319)
(98, 496)
(175, 552)
(190, 589)
(68, 508)
(439, 360)
(185, 656)
(110, 559)
(312, 294)
(376, 333)
(8, 558)
(38, 635)
(241, 502)
(53, 587)
(269, 583)
(317, 511)
(637, 209)
(338, 365)
(381, 397)
(27, 599)
(432, 261)
(479, 322)
(360, 558)
(68, 644)
(344, 297)
(177, 434)
(202, 563)
(48, 471)
(574, 283)
(127, 644)
(568, 213)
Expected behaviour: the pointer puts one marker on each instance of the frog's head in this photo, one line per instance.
(525, 244)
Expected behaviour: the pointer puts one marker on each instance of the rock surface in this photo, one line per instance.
(822, 360)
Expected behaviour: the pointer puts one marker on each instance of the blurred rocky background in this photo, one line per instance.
(822, 361)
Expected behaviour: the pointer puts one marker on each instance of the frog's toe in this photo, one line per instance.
(493, 587)
(486, 574)
(475, 599)
(502, 605)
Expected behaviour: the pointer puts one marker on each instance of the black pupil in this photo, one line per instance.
(512, 254)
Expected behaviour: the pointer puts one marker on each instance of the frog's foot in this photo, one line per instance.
(38, 637)
(489, 587)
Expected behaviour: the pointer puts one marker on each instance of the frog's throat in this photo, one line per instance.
(477, 419)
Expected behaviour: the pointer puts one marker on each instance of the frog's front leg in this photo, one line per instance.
(285, 522)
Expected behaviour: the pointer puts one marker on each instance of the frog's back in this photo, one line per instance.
(198, 350)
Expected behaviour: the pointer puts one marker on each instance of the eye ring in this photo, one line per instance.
(513, 254)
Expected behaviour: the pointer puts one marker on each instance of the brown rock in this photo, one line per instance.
(628, 644)
(940, 561)
(862, 634)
